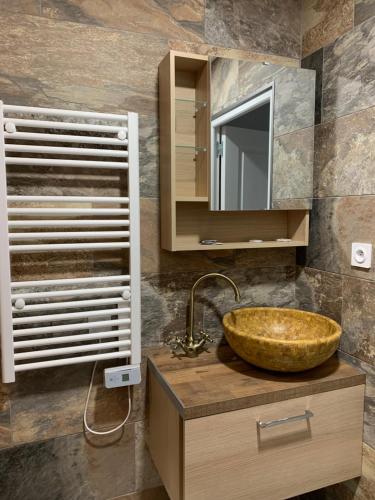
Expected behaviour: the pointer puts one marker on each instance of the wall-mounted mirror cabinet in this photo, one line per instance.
(270, 116)
(262, 136)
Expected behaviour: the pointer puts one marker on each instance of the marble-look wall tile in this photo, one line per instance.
(369, 408)
(165, 18)
(69, 468)
(242, 78)
(323, 21)
(292, 204)
(363, 10)
(344, 156)
(294, 100)
(221, 23)
(348, 72)
(56, 265)
(335, 224)
(268, 26)
(315, 61)
(168, 294)
(149, 156)
(216, 51)
(344, 161)
(164, 305)
(5, 423)
(50, 403)
(293, 145)
(319, 291)
(294, 93)
(21, 6)
(358, 318)
(260, 287)
(293, 165)
(225, 83)
(78, 66)
(155, 260)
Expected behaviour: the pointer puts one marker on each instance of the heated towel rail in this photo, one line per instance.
(55, 322)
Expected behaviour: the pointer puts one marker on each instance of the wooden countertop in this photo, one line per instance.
(220, 381)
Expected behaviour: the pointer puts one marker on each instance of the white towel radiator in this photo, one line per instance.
(55, 322)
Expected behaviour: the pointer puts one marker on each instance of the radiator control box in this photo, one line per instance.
(121, 376)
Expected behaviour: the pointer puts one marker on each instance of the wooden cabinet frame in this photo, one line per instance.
(184, 100)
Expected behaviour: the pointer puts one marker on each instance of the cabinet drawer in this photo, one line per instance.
(230, 457)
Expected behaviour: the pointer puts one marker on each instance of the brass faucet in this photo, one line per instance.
(191, 344)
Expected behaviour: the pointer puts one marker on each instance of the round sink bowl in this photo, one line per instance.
(284, 340)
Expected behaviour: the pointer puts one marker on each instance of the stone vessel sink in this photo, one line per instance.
(285, 340)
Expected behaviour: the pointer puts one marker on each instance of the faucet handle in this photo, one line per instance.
(174, 341)
(206, 337)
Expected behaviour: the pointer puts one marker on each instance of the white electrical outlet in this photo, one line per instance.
(120, 376)
(361, 255)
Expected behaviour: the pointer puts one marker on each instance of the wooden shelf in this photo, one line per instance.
(184, 99)
(237, 245)
(196, 199)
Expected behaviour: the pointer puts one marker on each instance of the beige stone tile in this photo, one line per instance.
(5, 423)
(69, 467)
(344, 161)
(57, 63)
(348, 83)
(292, 175)
(54, 265)
(319, 291)
(335, 224)
(21, 6)
(165, 18)
(323, 21)
(48, 403)
(363, 9)
(358, 318)
(260, 25)
(233, 53)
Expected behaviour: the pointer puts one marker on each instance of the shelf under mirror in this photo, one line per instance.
(196, 199)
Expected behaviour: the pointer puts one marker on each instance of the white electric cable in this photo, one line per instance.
(109, 431)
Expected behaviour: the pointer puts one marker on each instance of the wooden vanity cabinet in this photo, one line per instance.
(225, 455)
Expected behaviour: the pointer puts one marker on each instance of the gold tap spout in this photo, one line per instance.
(192, 345)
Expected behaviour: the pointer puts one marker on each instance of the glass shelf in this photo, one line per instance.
(197, 149)
(198, 105)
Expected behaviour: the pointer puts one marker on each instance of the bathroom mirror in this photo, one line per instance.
(262, 136)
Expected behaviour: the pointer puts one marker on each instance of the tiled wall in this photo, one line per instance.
(339, 41)
(103, 55)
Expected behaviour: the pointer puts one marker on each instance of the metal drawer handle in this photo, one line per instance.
(271, 423)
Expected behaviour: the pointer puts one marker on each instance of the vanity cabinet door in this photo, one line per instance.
(228, 456)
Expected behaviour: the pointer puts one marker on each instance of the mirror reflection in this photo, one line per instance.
(262, 119)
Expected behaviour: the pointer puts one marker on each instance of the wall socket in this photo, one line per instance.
(361, 255)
